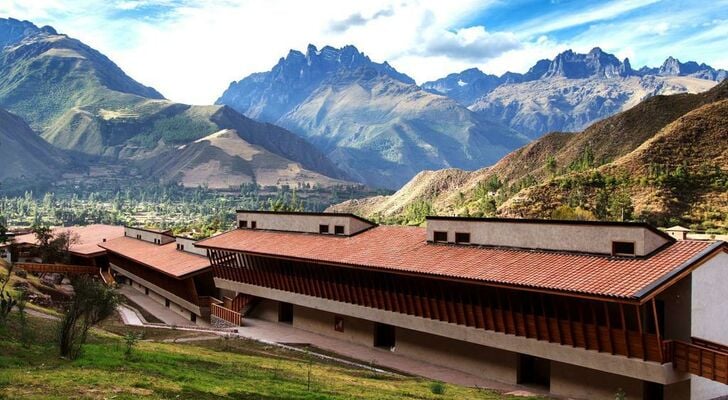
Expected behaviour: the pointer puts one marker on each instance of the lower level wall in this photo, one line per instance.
(582, 383)
(485, 362)
(355, 330)
(705, 389)
(187, 314)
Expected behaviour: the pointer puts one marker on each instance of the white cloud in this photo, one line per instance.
(191, 50)
(472, 43)
(557, 21)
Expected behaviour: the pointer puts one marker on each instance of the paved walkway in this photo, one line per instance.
(280, 333)
(163, 313)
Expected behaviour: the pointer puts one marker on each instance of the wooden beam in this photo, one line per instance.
(596, 326)
(624, 330)
(657, 330)
(641, 332)
(608, 318)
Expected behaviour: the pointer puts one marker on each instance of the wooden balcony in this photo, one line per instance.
(701, 358)
(608, 327)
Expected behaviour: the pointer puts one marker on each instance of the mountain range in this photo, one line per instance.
(80, 101)
(571, 91)
(324, 117)
(373, 122)
(23, 154)
(664, 160)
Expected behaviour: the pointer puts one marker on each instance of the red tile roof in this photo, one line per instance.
(164, 258)
(405, 249)
(90, 236)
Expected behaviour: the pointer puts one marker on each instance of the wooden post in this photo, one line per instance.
(609, 326)
(657, 329)
(642, 333)
(596, 326)
(624, 329)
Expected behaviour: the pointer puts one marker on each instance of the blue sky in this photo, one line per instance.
(191, 50)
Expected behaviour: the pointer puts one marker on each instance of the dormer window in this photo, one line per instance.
(338, 229)
(439, 237)
(323, 229)
(623, 249)
(462, 238)
(242, 224)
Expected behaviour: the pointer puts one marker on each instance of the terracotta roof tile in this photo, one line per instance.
(405, 249)
(165, 258)
(89, 237)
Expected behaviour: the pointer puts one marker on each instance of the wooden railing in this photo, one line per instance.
(226, 314)
(57, 268)
(699, 360)
(107, 277)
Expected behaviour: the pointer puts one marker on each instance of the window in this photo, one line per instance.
(242, 224)
(623, 248)
(338, 229)
(462, 237)
(439, 237)
(182, 247)
(146, 291)
(139, 237)
(193, 317)
(323, 229)
(338, 323)
(166, 303)
(253, 225)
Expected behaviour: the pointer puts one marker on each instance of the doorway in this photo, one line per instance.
(384, 336)
(285, 313)
(534, 371)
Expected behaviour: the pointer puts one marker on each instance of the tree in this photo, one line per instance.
(3, 233)
(551, 164)
(620, 206)
(565, 212)
(92, 302)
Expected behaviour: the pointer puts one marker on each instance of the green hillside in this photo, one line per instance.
(224, 369)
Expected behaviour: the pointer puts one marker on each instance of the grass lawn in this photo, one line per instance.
(204, 369)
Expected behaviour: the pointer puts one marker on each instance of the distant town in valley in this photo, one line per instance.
(363, 200)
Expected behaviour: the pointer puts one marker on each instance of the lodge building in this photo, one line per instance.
(580, 308)
(170, 270)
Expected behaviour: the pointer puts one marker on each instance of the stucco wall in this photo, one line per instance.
(709, 319)
(486, 362)
(147, 236)
(267, 310)
(583, 383)
(677, 300)
(190, 246)
(301, 222)
(584, 238)
(355, 330)
(159, 298)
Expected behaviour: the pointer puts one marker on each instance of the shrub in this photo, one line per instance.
(92, 302)
(437, 388)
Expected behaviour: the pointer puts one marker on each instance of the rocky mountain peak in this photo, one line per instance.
(13, 31)
(596, 63)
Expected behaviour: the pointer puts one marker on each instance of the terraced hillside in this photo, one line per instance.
(609, 168)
